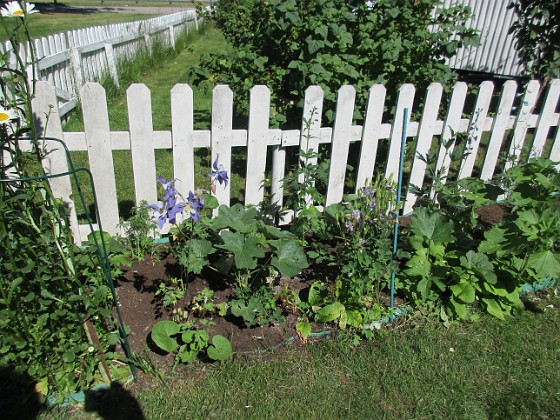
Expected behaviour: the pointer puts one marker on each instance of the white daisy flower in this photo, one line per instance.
(14, 9)
(6, 115)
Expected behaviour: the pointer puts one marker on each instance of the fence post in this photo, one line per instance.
(112, 64)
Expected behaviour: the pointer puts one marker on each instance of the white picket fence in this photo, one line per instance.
(68, 60)
(499, 117)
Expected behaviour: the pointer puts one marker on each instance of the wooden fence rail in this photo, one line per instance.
(68, 60)
(496, 125)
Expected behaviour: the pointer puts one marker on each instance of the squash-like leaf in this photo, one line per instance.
(246, 249)
(220, 349)
(162, 335)
(330, 312)
(289, 257)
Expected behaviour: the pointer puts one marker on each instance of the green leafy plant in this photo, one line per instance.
(139, 231)
(289, 45)
(189, 344)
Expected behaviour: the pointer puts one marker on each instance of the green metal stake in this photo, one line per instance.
(399, 187)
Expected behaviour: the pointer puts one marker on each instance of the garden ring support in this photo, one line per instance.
(100, 246)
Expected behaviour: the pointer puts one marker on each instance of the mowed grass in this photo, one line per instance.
(43, 24)
(487, 369)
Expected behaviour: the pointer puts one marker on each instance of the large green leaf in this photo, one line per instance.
(162, 334)
(494, 308)
(545, 263)
(463, 291)
(246, 249)
(480, 265)
(431, 227)
(237, 218)
(289, 257)
(220, 349)
(330, 312)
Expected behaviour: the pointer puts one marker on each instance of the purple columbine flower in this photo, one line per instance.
(349, 226)
(368, 192)
(373, 204)
(218, 174)
(166, 211)
(356, 214)
(168, 187)
(194, 205)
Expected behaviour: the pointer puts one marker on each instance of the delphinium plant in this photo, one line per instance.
(54, 315)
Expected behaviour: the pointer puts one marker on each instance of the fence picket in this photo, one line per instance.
(100, 153)
(406, 99)
(340, 143)
(310, 132)
(501, 122)
(141, 142)
(257, 137)
(522, 123)
(476, 128)
(371, 134)
(222, 134)
(547, 118)
(427, 129)
(182, 131)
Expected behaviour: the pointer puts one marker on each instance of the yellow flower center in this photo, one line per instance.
(4, 116)
(19, 12)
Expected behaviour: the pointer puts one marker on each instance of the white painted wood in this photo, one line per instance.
(182, 132)
(221, 137)
(310, 133)
(522, 123)
(277, 180)
(45, 110)
(112, 64)
(257, 137)
(371, 133)
(406, 100)
(450, 128)
(141, 143)
(427, 130)
(501, 122)
(547, 118)
(100, 153)
(555, 151)
(340, 143)
(476, 128)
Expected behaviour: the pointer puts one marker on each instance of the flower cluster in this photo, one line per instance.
(167, 209)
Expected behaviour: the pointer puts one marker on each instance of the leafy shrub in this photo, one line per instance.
(289, 45)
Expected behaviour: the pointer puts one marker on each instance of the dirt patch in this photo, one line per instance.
(141, 309)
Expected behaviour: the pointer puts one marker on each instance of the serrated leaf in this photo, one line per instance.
(316, 293)
(220, 349)
(162, 335)
(289, 257)
(493, 240)
(210, 202)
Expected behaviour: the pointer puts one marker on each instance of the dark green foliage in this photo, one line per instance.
(289, 45)
(537, 31)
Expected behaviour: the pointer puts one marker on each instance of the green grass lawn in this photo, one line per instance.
(487, 369)
(43, 24)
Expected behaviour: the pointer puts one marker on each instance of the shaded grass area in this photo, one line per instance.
(487, 369)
